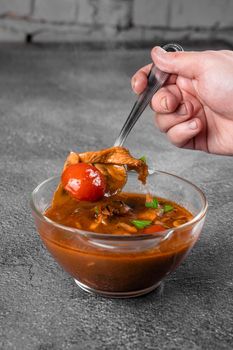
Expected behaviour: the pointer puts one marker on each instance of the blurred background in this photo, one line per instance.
(118, 22)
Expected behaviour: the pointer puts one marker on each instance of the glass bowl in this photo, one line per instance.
(122, 265)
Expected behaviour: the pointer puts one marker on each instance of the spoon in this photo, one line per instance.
(156, 79)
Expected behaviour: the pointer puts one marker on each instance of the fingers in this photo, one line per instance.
(180, 126)
(139, 83)
(187, 64)
(167, 99)
(139, 79)
(181, 134)
(164, 122)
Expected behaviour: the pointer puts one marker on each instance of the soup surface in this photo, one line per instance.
(124, 213)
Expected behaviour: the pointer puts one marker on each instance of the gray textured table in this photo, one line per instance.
(53, 100)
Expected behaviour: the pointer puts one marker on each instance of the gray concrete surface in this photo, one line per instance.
(54, 99)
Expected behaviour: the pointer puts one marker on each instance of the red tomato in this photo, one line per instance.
(84, 182)
(154, 228)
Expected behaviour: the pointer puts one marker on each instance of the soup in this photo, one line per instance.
(125, 213)
(114, 265)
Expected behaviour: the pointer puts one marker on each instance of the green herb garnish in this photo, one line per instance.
(96, 209)
(167, 208)
(152, 204)
(143, 158)
(141, 223)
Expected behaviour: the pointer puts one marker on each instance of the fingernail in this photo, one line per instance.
(192, 125)
(163, 103)
(182, 110)
(158, 51)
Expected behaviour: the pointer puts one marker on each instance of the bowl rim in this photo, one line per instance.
(106, 236)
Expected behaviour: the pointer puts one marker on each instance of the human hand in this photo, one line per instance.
(195, 107)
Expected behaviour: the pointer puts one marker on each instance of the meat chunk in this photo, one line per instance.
(115, 208)
(116, 177)
(117, 156)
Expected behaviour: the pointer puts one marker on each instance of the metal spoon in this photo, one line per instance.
(156, 79)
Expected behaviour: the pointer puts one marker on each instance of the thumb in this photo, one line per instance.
(186, 64)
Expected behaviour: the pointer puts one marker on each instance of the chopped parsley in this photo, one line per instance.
(143, 158)
(140, 224)
(96, 209)
(152, 204)
(167, 208)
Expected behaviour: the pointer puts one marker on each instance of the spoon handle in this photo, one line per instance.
(156, 79)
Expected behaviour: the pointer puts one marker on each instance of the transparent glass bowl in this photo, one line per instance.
(123, 265)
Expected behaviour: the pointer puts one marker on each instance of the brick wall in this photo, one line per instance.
(112, 21)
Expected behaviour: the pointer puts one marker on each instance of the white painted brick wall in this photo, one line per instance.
(55, 10)
(115, 20)
(115, 13)
(85, 11)
(151, 13)
(183, 13)
(19, 7)
(203, 13)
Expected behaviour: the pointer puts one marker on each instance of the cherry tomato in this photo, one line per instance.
(84, 182)
(153, 229)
